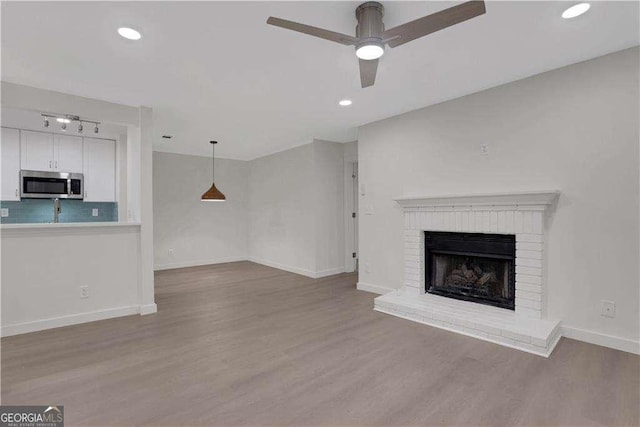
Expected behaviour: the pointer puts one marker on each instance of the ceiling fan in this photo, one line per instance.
(371, 35)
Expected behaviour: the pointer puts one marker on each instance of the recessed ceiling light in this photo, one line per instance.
(369, 51)
(129, 33)
(575, 10)
(345, 102)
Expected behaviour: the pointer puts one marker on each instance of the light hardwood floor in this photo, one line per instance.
(243, 344)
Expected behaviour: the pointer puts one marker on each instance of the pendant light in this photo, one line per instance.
(213, 194)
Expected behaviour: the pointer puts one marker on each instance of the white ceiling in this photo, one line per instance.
(215, 70)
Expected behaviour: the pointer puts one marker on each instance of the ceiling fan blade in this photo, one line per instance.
(431, 23)
(313, 31)
(368, 69)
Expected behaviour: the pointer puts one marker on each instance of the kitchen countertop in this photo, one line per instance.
(60, 225)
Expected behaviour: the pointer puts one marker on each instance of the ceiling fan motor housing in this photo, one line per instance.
(370, 27)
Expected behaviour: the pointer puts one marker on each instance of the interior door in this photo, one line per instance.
(10, 156)
(36, 150)
(351, 221)
(355, 217)
(67, 153)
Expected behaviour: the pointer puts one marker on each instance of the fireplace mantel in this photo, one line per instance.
(531, 200)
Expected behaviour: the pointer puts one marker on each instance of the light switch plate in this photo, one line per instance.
(94, 212)
(4, 212)
(484, 149)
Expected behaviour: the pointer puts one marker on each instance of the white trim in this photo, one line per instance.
(297, 270)
(611, 341)
(148, 309)
(328, 272)
(525, 198)
(74, 319)
(376, 289)
(168, 266)
(284, 267)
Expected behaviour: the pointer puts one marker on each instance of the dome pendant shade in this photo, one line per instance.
(213, 194)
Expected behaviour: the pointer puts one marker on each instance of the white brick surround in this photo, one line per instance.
(520, 214)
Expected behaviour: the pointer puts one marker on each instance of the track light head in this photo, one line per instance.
(80, 128)
(63, 126)
(46, 122)
(95, 129)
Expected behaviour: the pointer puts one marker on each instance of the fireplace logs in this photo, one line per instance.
(470, 275)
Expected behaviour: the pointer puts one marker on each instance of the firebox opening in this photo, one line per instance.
(471, 266)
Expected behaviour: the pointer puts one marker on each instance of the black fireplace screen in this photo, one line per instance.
(471, 266)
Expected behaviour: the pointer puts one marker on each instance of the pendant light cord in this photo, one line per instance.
(213, 160)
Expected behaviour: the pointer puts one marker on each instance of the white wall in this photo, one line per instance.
(198, 232)
(574, 129)
(44, 267)
(296, 209)
(329, 206)
(281, 210)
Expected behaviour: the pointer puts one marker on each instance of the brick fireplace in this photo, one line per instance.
(521, 324)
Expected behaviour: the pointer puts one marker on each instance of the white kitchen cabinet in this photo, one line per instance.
(36, 150)
(99, 170)
(10, 154)
(67, 153)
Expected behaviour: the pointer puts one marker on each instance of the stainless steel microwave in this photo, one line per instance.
(51, 185)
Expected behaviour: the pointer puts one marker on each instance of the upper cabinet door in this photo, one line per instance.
(67, 152)
(99, 170)
(10, 156)
(36, 150)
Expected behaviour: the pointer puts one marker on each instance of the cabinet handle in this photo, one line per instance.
(56, 164)
(16, 192)
(49, 164)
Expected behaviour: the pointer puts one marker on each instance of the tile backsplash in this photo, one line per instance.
(41, 211)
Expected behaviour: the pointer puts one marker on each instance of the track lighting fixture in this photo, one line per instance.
(65, 119)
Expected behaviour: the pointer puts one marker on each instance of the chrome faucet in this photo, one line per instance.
(56, 210)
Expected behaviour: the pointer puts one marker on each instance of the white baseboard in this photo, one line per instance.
(183, 264)
(148, 309)
(611, 341)
(298, 270)
(74, 319)
(329, 272)
(289, 268)
(376, 289)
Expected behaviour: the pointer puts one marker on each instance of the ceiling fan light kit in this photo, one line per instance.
(371, 36)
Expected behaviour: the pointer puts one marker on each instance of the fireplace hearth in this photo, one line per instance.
(474, 267)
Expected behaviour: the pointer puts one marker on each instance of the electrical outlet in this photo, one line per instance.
(607, 308)
(4, 212)
(170, 252)
(94, 212)
(84, 292)
(484, 149)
